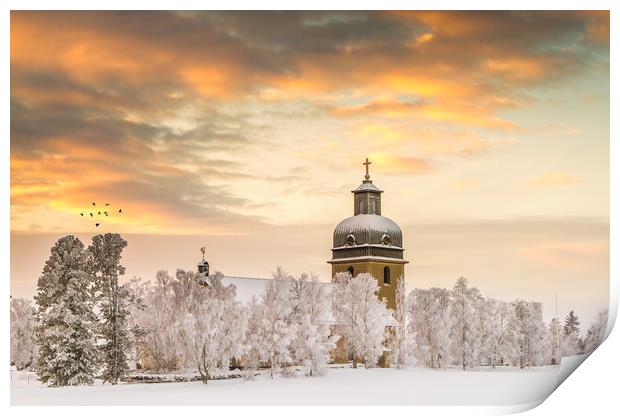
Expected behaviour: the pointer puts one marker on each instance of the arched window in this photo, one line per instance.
(350, 241)
(386, 275)
(350, 270)
(386, 240)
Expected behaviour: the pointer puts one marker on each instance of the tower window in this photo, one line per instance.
(350, 240)
(386, 240)
(350, 270)
(386, 275)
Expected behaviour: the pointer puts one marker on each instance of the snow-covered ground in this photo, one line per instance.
(340, 386)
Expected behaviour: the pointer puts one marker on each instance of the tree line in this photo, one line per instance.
(85, 323)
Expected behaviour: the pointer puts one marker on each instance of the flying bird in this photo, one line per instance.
(97, 224)
(106, 204)
(120, 211)
(93, 204)
(82, 214)
(99, 213)
(91, 214)
(106, 213)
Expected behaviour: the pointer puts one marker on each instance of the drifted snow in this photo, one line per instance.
(340, 386)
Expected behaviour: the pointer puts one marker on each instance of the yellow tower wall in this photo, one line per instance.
(375, 268)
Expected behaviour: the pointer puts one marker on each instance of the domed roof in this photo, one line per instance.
(368, 229)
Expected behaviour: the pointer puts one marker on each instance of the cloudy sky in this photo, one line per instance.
(488, 131)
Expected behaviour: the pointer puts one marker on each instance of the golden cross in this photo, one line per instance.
(368, 162)
(202, 250)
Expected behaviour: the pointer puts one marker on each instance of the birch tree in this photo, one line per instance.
(23, 347)
(361, 316)
(212, 328)
(311, 317)
(596, 331)
(429, 322)
(399, 339)
(276, 332)
(464, 333)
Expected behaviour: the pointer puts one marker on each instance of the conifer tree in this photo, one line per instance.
(104, 265)
(571, 323)
(571, 344)
(65, 320)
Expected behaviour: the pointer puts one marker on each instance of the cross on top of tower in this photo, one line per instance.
(367, 163)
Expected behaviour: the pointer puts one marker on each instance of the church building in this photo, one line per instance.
(368, 242)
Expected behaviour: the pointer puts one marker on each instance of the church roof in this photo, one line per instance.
(367, 229)
(246, 287)
(367, 186)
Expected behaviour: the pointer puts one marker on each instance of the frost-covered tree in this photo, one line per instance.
(23, 347)
(596, 332)
(571, 323)
(530, 333)
(159, 340)
(571, 341)
(276, 332)
(65, 320)
(252, 337)
(361, 317)
(465, 331)
(212, 328)
(429, 323)
(398, 341)
(311, 318)
(500, 344)
(104, 264)
(137, 291)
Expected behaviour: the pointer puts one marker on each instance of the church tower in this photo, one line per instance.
(368, 242)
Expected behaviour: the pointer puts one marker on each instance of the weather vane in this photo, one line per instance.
(203, 249)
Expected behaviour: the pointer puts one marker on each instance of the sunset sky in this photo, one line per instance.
(245, 131)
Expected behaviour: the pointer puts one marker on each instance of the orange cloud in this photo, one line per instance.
(151, 106)
(569, 255)
(400, 165)
(554, 179)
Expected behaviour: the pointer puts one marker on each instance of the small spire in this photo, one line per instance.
(203, 249)
(367, 163)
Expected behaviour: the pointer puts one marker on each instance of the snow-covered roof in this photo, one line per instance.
(367, 186)
(367, 229)
(246, 286)
(255, 286)
(251, 286)
(363, 222)
(369, 258)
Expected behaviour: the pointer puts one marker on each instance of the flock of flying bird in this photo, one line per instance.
(106, 212)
